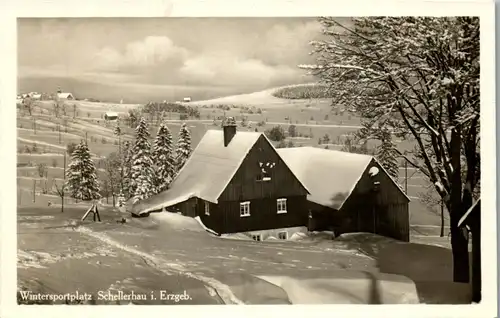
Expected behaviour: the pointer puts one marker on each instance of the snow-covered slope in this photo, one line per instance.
(264, 97)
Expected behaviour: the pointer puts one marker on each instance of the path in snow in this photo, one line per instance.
(49, 132)
(41, 143)
(275, 123)
(222, 289)
(38, 142)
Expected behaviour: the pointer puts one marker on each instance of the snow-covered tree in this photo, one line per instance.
(142, 173)
(121, 200)
(183, 149)
(163, 157)
(113, 167)
(387, 154)
(82, 180)
(418, 77)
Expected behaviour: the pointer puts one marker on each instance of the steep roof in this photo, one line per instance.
(330, 175)
(206, 173)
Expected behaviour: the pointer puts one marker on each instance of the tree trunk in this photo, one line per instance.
(460, 250)
(476, 259)
(442, 219)
(459, 240)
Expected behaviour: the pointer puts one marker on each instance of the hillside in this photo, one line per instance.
(265, 98)
(113, 91)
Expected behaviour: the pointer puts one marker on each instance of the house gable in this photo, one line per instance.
(377, 205)
(389, 192)
(262, 174)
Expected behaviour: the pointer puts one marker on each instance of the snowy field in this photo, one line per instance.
(170, 252)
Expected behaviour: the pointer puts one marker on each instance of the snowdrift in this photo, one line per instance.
(348, 287)
(176, 221)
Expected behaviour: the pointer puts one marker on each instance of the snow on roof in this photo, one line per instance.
(111, 114)
(206, 173)
(330, 175)
(64, 95)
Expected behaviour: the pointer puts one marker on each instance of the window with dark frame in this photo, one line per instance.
(283, 235)
(281, 206)
(245, 209)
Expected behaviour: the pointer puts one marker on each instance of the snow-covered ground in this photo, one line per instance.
(170, 251)
(263, 99)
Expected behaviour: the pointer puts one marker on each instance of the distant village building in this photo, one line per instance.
(187, 99)
(349, 192)
(67, 96)
(236, 182)
(36, 96)
(110, 116)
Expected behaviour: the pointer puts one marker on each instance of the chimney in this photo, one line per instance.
(229, 128)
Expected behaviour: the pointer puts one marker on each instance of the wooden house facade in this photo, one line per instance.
(234, 182)
(349, 193)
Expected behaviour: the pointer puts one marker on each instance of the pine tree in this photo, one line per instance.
(73, 173)
(81, 175)
(142, 173)
(121, 199)
(163, 157)
(183, 150)
(387, 154)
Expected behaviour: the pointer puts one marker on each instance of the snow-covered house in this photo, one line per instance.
(187, 99)
(35, 95)
(110, 116)
(67, 96)
(235, 182)
(349, 192)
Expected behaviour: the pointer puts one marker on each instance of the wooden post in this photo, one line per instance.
(59, 128)
(64, 183)
(441, 234)
(34, 191)
(406, 177)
